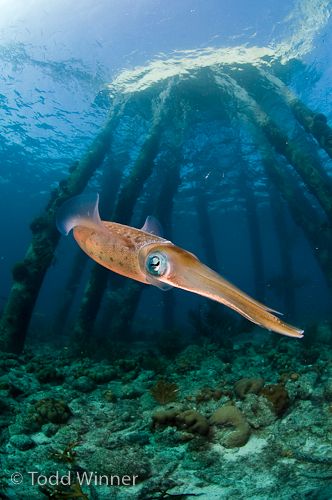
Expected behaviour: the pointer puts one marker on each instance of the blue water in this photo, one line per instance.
(56, 58)
(65, 66)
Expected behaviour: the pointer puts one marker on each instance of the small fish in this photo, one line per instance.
(144, 255)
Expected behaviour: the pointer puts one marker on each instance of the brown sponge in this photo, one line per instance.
(189, 420)
(229, 415)
(248, 386)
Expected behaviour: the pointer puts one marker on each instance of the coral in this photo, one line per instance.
(151, 362)
(207, 393)
(284, 377)
(231, 415)
(167, 417)
(164, 392)
(48, 410)
(8, 360)
(4, 406)
(305, 387)
(193, 421)
(189, 420)
(258, 411)
(278, 397)
(50, 429)
(248, 386)
(185, 446)
(129, 368)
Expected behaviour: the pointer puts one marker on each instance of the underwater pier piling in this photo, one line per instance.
(283, 240)
(255, 238)
(110, 183)
(318, 182)
(308, 167)
(170, 164)
(127, 198)
(122, 213)
(303, 214)
(61, 316)
(217, 94)
(311, 172)
(205, 229)
(29, 274)
(313, 122)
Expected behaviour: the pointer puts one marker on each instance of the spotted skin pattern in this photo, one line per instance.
(125, 250)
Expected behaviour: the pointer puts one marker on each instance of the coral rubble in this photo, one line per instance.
(251, 413)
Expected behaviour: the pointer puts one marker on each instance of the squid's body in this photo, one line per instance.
(143, 255)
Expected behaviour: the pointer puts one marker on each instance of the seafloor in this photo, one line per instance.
(249, 419)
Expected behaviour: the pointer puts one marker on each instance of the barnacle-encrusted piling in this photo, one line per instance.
(205, 228)
(61, 316)
(269, 138)
(164, 211)
(122, 213)
(218, 95)
(255, 239)
(307, 165)
(303, 214)
(312, 121)
(29, 274)
(284, 241)
(129, 294)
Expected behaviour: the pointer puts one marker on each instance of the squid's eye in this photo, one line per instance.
(156, 263)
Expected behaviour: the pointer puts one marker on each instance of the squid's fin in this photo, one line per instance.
(153, 226)
(80, 210)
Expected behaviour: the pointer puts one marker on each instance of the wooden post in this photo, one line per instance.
(29, 274)
(119, 325)
(254, 231)
(170, 166)
(302, 211)
(122, 213)
(303, 214)
(68, 296)
(313, 122)
(307, 166)
(205, 228)
(110, 181)
(284, 242)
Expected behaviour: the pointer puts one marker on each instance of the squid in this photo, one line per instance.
(144, 255)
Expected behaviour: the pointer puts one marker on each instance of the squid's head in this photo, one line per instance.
(165, 265)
